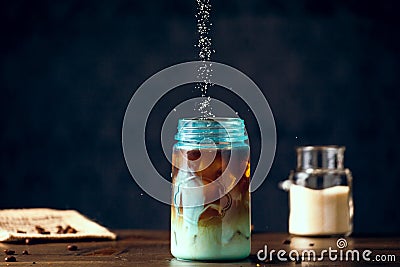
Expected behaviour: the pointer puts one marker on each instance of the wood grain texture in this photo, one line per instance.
(151, 248)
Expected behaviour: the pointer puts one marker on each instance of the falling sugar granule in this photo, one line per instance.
(205, 51)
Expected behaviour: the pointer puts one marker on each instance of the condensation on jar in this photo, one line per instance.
(210, 211)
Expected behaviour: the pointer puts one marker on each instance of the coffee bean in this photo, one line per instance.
(9, 252)
(60, 229)
(72, 247)
(39, 229)
(10, 259)
(25, 252)
(286, 242)
(70, 230)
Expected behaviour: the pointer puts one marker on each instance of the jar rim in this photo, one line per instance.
(224, 121)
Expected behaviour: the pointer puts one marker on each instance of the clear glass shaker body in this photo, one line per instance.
(320, 193)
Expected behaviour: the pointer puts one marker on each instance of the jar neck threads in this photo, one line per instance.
(217, 130)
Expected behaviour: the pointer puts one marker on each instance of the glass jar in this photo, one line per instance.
(320, 193)
(210, 211)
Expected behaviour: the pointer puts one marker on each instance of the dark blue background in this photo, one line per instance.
(329, 69)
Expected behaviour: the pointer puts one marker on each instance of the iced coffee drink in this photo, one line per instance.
(210, 211)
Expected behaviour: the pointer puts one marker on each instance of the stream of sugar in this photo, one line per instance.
(205, 52)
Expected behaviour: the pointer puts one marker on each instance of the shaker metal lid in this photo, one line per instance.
(320, 157)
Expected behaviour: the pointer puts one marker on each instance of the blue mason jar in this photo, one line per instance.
(210, 211)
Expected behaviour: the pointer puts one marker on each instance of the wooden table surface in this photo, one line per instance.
(151, 248)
